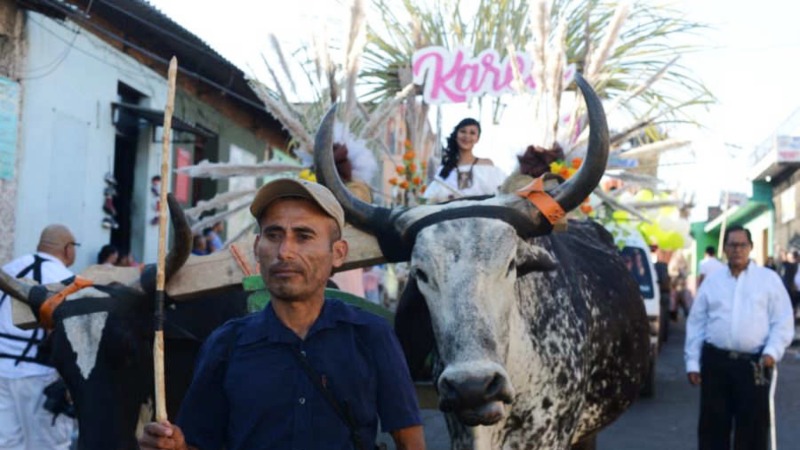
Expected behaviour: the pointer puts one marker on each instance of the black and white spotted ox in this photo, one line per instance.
(540, 339)
(101, 345)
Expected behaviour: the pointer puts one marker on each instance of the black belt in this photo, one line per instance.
(730, 354)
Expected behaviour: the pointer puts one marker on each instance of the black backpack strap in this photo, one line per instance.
(35, 267)
(343, 413)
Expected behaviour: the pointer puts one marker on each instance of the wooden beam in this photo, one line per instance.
(220, 271)
(216, 272)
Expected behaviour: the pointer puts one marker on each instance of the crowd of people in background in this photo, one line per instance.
(110, 255)
(787, 268)
(209, 241)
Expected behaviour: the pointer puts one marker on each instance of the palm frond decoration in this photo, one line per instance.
(628, 50)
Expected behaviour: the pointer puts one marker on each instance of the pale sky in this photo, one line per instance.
(750, 64)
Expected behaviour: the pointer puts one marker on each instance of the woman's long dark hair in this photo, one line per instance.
(451, 151)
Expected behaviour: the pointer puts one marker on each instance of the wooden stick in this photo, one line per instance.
(158, 341)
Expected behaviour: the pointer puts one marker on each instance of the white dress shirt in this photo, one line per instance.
(53, 270)
(750, 314)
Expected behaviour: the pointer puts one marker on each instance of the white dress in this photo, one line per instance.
(486, 180)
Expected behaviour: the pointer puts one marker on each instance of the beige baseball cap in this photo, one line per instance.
(291, 187)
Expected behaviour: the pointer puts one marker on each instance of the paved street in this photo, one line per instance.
(669, 421)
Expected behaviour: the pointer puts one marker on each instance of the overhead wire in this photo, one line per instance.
(53, 65)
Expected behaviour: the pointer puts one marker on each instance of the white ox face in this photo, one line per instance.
(467, 269)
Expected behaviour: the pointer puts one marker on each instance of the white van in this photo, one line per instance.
(636, 253)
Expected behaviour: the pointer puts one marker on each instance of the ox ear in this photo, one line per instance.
(412, 324)
(532, 258)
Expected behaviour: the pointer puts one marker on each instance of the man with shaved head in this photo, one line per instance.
(24, 423)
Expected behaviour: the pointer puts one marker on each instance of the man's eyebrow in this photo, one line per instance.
(296, 229)
(304, 229)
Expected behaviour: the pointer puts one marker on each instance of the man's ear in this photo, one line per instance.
(255, 245)
(340, 249)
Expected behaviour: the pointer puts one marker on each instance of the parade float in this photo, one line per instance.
(394, 74)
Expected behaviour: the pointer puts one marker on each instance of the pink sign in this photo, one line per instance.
(455, 77)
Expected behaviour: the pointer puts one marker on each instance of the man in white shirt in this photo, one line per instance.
(739, 327)
(24, 423)
(709, 264)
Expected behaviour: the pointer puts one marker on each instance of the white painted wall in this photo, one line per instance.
(67, 138)
(758, 226)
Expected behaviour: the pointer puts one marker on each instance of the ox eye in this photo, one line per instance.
(512, 267)
(420, 275)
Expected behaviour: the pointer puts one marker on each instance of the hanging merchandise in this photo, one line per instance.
(155, 199)
(109, 192)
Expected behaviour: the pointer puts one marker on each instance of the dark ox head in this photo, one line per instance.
(101, 345)
(466, 257)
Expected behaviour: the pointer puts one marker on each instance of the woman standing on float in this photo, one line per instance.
(462, 174)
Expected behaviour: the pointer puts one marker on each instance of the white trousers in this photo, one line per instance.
(24, 423)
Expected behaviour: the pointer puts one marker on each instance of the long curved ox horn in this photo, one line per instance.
(572, 193)
(182, 244)
(177, 255)
(359, 213)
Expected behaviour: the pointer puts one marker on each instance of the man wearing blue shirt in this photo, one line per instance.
(739, 326)
(252, 388)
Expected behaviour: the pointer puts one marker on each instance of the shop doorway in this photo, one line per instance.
(126, 145)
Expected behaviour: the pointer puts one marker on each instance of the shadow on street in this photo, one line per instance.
(669, 420)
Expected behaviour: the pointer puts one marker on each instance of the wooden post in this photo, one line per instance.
(158, 341)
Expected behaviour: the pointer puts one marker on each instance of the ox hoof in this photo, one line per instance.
(488, 414)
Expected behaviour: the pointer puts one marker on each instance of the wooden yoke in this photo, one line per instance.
(221, 270)
(215, 272)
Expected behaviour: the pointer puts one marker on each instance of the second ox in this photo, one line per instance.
(101, 345)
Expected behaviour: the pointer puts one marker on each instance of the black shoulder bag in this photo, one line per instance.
(343, 414)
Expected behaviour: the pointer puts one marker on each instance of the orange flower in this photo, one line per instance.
(576, 162)
(404, 184)
(586, 208)
(412, 167)
(409, 155)
(400, 170)
(422, 189)
(416, 180)
(393, 181)
(564, 172)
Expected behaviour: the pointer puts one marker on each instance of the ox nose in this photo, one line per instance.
(473, 390)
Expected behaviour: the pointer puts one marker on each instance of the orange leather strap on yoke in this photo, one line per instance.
(52, 302)
(536, 194)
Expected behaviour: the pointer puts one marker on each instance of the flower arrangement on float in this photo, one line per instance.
(408, 186)
(566, 171)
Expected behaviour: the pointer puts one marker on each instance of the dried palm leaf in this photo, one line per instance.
(216, 171)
